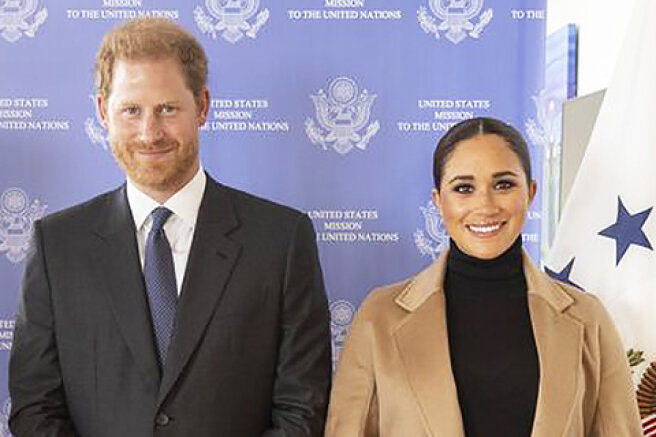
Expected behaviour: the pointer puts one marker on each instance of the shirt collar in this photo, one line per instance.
(184, 203)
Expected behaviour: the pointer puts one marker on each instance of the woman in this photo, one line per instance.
(482, 343)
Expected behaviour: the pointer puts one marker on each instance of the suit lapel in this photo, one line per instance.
(559, 340)
(117, 264)
(211, 260)
(422, 340)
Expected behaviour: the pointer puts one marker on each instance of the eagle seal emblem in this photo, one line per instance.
(4, 419)
(646, 395)
(232, 18)
(437, 239)
(95, 131)
(455, 16)
(14, 18)
(341, 316)
(342, 113)
(17, 218)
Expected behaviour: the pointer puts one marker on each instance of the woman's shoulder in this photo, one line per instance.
(585, 305)
(564, 298)
(381, 305)
(386, 294)
(390, 303)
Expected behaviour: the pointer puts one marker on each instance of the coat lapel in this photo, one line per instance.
(117, 264)
(422, 340)
(559, 341)
(211, 260)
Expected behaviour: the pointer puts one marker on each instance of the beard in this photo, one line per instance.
(166, 175)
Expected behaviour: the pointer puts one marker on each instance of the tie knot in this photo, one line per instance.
(159, 215)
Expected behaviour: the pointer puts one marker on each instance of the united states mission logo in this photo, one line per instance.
(231, 19)
(454, 18)
(20, 17)
(17, 216)
(432, 240)
(342, 115)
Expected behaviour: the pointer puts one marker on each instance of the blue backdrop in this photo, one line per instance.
(331, 106)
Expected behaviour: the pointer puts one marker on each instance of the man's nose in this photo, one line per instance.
(151, 128)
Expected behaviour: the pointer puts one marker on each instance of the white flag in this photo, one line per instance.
(606, 240)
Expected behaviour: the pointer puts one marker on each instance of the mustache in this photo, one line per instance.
(151, 146)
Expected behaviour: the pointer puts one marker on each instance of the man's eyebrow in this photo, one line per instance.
(461, 178)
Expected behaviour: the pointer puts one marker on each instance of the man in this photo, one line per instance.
(172, 306)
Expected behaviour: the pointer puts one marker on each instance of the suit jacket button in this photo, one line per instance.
(162, 419)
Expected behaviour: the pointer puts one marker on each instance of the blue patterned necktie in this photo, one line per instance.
(159, 274)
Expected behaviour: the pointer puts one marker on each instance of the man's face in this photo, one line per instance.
(153, 120)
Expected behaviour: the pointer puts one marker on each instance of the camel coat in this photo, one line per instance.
(394, 378)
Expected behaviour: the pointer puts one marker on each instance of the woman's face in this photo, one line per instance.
(483, 196)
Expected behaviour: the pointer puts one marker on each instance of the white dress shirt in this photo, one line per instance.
(180, 226)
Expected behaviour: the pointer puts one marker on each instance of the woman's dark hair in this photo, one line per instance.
(471, 128)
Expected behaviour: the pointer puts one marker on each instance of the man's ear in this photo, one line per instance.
(203, 106)
(101, 109)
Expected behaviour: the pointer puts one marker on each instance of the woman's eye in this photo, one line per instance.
(463, 188)
(504, 185)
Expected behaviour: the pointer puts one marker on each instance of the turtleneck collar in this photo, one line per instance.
(503, 275)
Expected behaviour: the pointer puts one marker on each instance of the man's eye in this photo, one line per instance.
(131, 110)
(168, 109)
(463, 188)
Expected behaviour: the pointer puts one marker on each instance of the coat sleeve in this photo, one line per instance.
(302, 383)
(35, 382)
(617, 408)
(353, 407)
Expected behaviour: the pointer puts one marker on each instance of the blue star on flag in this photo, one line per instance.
(563, 275)
(627, 230)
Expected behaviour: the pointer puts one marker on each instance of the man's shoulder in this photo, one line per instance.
(261, 224)
(251, 205)
(85, 211)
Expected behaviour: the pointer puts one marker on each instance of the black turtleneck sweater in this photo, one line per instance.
(493, 354)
